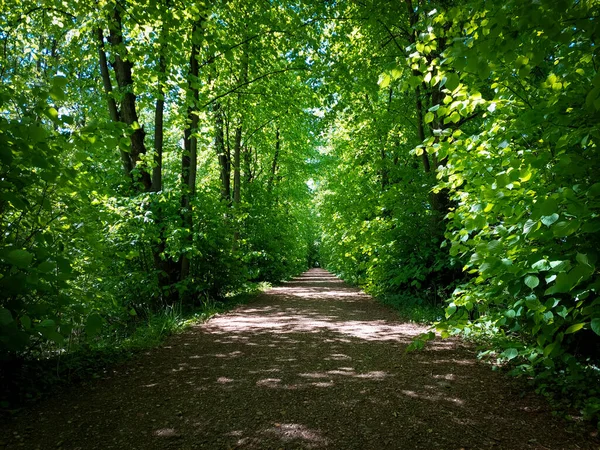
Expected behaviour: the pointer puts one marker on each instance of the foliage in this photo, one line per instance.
(154, 154)
(515, 129)
(500, 104)
(30, 379)
(414, 309)
(103, 222)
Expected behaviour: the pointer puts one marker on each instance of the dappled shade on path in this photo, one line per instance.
(313, 363)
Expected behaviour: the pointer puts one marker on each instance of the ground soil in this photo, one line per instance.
(311, 364)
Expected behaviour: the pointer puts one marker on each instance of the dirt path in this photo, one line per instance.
(312, 364)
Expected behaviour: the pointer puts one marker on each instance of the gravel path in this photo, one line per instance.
(312, 364)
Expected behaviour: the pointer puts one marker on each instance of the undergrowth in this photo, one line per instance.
(413, 309)
(23, 381)
(569, 383)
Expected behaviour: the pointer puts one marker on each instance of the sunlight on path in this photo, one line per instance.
(339, 309)
(311, 364)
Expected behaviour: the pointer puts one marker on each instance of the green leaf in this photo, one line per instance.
(52, 335)
(549, 220)
(549, 207)
(583, 259)
(530, 225)
(532, 281)
(510, 353)
(596, 326)
(565, 228)
(384, 80)
(533, 303)
(559, 266)
(26, 322)
(562, 311)
(591, 97)
(542, 264)
(19, 258)
(574, 328)
(429, 117)
(93, 324)
(522, 61)
(5, 316)
(548, 349)
(594, 190)
(450, 310)
(46, 267)
(47, 323)
(562, 283)
(452, 81)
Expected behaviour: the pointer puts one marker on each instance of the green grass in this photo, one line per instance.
(24, 381)
(413, 309)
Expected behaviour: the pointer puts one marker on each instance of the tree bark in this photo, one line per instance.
(222, 154)
(385, 173)
(440, 201)
(159, 126)
(238, 132)
(248, 173)
(237, 197)
(274, 166)
(112, 104)
(412, 38)
(421, 128)
(124, 78)
(168, 268)
(189, 159)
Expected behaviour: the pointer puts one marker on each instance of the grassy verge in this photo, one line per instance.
(413, 309)
(28, 380)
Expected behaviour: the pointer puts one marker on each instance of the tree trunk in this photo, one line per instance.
(168, 268)
(440, 201)
(222, 154)
(421, 128)
(124, 78)
(248, 173)
(236, 166)
(275, 161)
(238, 132)
(112, 104)
(385, 173)
(159, 125)
(412, 38)
(188, 163)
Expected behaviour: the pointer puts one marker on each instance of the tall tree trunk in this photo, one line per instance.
(124, 78)
(189, 159)
(237, 197)
(412, 38)
(385, 173)
(159, 125)
(237, 148)
(222, 154)
(238, 132)
(248, 174)
(168, 268)
(112, 104)
(275, 163)
(440, 201)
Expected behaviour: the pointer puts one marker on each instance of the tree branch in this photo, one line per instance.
(260, 77)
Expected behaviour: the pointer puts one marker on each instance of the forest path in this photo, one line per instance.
(311, 364)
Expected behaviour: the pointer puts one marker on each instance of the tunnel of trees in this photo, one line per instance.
(162, 155)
